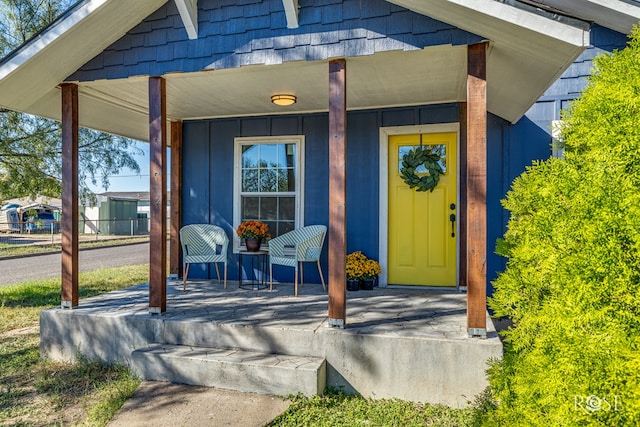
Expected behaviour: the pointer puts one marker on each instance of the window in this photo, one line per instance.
(439, 149)
(268, 182)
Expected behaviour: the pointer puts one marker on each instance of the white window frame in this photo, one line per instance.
(298, 140)
(557, 143)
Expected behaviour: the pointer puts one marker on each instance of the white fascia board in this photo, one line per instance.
(493, 19)
(618, 15)
(188, 10)
(30, 74)
(291, 12)
(48, 37)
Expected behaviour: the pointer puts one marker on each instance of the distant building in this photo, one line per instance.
(119, 213)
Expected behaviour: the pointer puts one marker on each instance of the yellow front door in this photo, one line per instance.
(422, 231)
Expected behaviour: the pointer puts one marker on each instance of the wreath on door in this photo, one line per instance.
(421, 156)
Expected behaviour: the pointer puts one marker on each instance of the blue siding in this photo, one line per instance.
(208, 176)
(195, 197)
(363, 188)
(234, 34)
(498, 181)
(531, 136)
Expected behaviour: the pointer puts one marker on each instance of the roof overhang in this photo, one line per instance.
(29, 76)
(619, 15)
(529, 49)
(528, 52)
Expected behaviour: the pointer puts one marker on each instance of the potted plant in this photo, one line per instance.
(354, 270)
(361, 271)
(253, 232)
(370, 270)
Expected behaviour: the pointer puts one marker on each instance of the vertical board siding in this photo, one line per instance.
(195, 173)
(208, 174)
(363, 187)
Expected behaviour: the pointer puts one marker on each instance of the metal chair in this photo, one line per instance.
(203, 244)
(304, 244)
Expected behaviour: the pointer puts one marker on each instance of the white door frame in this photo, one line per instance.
(383, 206)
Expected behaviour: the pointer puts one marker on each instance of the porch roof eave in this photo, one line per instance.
(531, 47)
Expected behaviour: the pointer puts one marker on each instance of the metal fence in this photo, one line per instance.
(33, 232)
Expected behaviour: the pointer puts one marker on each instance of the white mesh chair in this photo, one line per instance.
(203, 244)
(296, 247)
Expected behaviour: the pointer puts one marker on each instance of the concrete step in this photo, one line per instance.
(232, 369)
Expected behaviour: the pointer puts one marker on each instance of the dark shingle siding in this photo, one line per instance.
(234, 33)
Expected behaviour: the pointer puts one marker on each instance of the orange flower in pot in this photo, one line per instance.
(253, 232)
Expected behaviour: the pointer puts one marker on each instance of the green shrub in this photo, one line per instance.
(573, 273)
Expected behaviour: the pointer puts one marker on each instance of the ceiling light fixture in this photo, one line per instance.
(283, 100)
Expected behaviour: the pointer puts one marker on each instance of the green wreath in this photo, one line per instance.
(412, 160)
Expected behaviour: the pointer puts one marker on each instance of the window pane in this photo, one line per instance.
(268, 208)
(285, 226)
(290, 155)
(440, 149)
(286, 180)
(269, 155)
(287, 208)
(250, 208)
(250, 156)
(268, 180)
(250, 180)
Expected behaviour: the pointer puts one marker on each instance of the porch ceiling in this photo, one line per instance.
(432, 75)
(428, 76)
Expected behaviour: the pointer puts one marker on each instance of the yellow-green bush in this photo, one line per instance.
(571, 285)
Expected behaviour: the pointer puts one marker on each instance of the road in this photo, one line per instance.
(18, 270)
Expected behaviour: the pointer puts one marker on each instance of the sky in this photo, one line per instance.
(128, 180)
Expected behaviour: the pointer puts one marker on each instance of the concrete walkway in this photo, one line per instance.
(163, 404)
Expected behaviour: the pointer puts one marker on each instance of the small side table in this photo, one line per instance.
(258, 265)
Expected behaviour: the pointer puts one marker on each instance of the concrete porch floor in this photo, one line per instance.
(406, 343)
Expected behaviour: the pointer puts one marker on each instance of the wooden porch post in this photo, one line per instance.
(69, 226)
(476, 189)
(175, 255)
(337, 192)
(158, 195)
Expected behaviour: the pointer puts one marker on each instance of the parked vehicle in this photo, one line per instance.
(9, 220)
(39, 218)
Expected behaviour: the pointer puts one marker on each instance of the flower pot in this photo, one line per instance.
(367, 284)
(353, 285)
(253, 244)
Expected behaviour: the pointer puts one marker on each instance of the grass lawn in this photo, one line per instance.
(37, 392)
(336, 409)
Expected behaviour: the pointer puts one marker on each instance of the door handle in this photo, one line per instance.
(452, 218)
